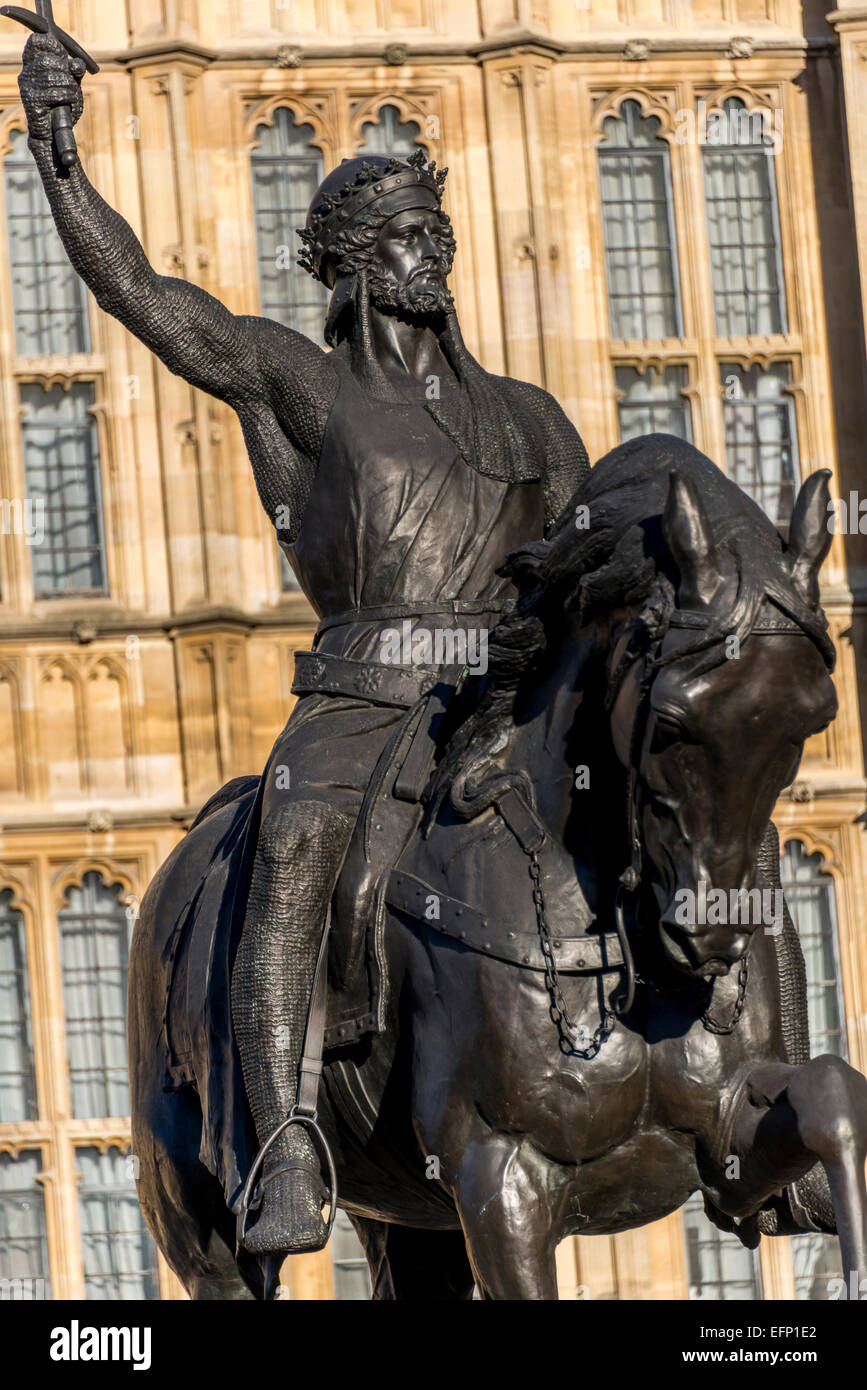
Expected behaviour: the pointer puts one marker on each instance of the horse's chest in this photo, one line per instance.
(640, 1181)
(489, 1046)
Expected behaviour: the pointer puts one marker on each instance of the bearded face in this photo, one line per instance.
(422, 296)
(410, 262)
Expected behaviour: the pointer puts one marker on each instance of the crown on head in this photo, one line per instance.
(336, 210)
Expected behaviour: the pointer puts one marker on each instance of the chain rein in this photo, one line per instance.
(566, 1027)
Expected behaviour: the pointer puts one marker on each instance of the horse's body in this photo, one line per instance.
(491, 1143)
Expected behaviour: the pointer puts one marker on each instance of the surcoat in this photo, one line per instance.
(396, 520)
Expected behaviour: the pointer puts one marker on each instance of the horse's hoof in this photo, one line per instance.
(290, 1216)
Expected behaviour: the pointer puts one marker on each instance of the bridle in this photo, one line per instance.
(644, 644)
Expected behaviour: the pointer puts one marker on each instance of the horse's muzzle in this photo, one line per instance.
(704, 955)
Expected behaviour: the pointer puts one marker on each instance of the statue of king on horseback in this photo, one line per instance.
(414, 955)
(400, 473)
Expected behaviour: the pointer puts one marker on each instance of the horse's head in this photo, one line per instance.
(713, 714)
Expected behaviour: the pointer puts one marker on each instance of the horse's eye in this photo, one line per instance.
(666, 731)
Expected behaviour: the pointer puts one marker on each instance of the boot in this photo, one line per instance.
(298, 857)
(292, 1197)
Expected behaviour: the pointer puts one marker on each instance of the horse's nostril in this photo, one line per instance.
(715, 965)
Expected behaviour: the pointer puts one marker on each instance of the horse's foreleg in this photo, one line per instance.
(503, 1195)
(829, 1099)
(789, 1118)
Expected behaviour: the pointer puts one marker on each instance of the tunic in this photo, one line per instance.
(395, 517)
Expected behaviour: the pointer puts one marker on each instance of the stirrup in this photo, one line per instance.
(251, 1197)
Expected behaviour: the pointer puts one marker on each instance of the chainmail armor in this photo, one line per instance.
(299, 852)
(279, 382)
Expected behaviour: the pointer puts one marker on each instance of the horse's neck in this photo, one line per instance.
(563, 743)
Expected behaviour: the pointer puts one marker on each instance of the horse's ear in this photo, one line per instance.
(689, 534)
(810, 535)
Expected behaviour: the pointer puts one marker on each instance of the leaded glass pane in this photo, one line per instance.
(652, 402)
(94, 953)
(287, 170)
(761, 435)
(48, 298)
(17, 1077)
(816, 1261)
(351, 1273)
(742, 221)
(637, 221)
(23, 1243)
(61, 465)
(388, 134)
(120, 1261)
(719, 1267)
(810, 895)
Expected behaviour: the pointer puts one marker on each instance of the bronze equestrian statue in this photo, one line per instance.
(400, 474)
(525, 1037)
(551, 1049)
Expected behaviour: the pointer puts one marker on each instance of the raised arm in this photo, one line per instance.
(190, 331)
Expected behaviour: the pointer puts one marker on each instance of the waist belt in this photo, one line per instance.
(443, 608)
(319, 672)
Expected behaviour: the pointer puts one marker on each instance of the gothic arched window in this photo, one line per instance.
(809, 891)
(94, 955)
(17, 1075)
(120, 1261)
(740, 193)
(48, 299)
(761, 435)
(388, 134)
(61, 465)
(60, 444)
(638, 224)
(287, 170)
(23, 1241)
(653, 401)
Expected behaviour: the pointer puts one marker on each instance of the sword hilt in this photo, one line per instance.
(61, 116)
(64, 136)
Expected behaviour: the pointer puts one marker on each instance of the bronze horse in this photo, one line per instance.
(648, 698)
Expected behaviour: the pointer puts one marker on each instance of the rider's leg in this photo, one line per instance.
(298, 857)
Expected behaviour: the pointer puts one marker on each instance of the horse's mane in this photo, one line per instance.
(619, 559)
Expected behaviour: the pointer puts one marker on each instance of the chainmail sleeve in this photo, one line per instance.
(279, 382)
(565, 463)
(190, 331)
